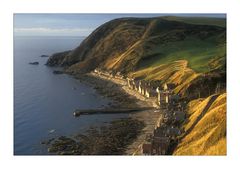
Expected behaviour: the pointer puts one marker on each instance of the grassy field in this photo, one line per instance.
(197, 52)
(199, 20)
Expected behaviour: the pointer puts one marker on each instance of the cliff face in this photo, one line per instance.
(131, 44)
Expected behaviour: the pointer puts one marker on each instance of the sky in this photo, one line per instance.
(74, 24)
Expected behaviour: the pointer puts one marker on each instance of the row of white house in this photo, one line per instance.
(163, 95)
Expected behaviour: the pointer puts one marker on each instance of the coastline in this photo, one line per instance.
(122, 96)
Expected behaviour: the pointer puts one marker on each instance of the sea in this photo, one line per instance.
(44, 102)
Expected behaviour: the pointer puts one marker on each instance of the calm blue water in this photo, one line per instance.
(44, 101)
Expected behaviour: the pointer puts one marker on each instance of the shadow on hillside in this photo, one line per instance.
(210, 102)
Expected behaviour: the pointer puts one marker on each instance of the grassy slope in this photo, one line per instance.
(199, 20)
(197, 52)
(208, 136)
(163, 45)
(130, 44)
(176, 72)
(176, 61)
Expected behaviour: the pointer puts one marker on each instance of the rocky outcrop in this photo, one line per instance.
(44, 56)
(57, 59)
(34, 63)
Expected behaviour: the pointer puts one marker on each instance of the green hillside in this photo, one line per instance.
(199, 20)
(190, 51)
(196, 51)
(131, 44)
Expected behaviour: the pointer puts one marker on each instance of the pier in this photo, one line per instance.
(80, 112)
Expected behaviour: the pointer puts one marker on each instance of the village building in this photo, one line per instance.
(147, 148)
(175, 98)
(129, 82)
(163, 96)
(136, 83)
(173, 132)
(149, 91)
(160, 132)
(144, 87)
(160, 145)
(179, 116)
(147, 145)
(169, 86)
(168, 118)
(133, 87)
(140, 87)
(118, 75)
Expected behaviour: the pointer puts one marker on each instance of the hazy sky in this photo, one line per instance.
(73, 24)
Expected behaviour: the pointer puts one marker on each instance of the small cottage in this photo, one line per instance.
(147, 148)
(118, 75)
(160, 145)
(163, 96)
(129, 82)
(136, 83)
(140, 86)
(175, 98)
(160, 132)
(179, 116)
(173, 132)
(169, 86)
(133, 87)
(150, 92)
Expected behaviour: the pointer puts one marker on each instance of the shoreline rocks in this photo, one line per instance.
(33, 63)
(57, 59)
(44, 56)
(57, 72)
(118, 96)
(111, 139)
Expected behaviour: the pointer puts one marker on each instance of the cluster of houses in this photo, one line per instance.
(164, 95)
(111, 74)
(167, 130)
(165, 134)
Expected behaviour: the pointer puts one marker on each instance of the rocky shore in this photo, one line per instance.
(113, 91)
(131, 131)
(122, 96)
(111, 139)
